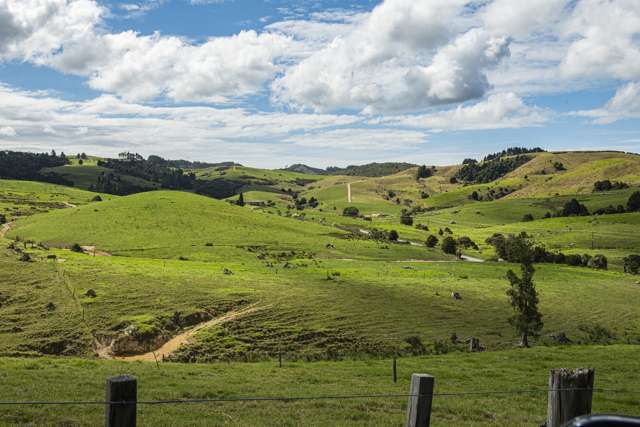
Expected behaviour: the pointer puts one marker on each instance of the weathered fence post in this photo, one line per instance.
(121, 389)
(394, 368)
(570, 395)
(421, 396)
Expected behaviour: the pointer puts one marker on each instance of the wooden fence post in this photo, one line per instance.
(394, 368)
(121, 389)
(421, 396)
(570, 395)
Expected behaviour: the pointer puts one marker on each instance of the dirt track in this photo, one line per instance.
(5, 229)
(174, 343)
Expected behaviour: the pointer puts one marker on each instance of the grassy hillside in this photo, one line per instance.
(24, 198)
(73, 379)
(168, 224)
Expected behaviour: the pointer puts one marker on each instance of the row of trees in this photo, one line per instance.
(488, 171)
(574, 208)
(18, 165)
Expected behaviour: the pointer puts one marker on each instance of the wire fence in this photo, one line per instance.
(325, 397)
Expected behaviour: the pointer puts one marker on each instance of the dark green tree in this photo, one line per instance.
(432, 241)
(240, 201)
(527, 320)
(449, 245)
(633, 205)
(423, 172)
(393, 235)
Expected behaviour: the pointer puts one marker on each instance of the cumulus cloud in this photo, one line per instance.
(32, 29)
(498, 111)
(606, 40)
(625, 104)
(387, 61)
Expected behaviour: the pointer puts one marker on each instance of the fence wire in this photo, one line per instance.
(300, 398)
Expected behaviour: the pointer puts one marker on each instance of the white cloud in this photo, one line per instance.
(625, 104)
(32, 29)
(360, 139)
(404, 55)
(521, 18)
(605, 38)
(498, 111)
(7, 131)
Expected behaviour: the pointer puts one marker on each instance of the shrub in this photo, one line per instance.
(351, 211)
(466, 243)
(76, 248)
(432, 241)
(527, 218)
(97, 198)
(406, 219)
(559, 166)
(633, 204)
(422, 227)
(423, 172)
(574, 208)
(573, 259)
(424, 195)
(449, 245)
(25, 257)
(393, 235)
(632, 264)
(3, 219)
(598, 262)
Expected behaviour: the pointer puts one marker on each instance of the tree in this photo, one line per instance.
(632, 264)
(527, 217)
(3, 219)
(351, 211)
(432, 241)
(423, 172)
(240, 201)
(405, 218)
(598, 262)
(527, 320)
(393, 235)
(573, 207)
(633, 205)
(449, 245)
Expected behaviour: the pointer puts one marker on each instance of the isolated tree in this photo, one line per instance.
(633, 205)
(351, 211)
(527, 217)
(573, 207)
(432, 241)
(405, 218)
(449, 245)
(527, 320)
(393, 235)
(240, 201)
(423, 172)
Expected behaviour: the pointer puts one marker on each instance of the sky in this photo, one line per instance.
(270, 83)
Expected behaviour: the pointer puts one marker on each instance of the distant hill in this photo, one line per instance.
(371, 170)
(302, 168)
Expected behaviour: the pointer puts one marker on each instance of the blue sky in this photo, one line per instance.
(323, 82)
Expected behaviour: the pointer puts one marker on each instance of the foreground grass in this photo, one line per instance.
(74, 379)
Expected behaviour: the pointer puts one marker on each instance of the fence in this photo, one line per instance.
(570, 395)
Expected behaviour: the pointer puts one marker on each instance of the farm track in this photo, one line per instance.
(6, 228)
(174, 343)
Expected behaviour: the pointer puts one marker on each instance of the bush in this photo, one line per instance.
(393, 235)
(76, 248)
(607, 185)
(632, 264)
(449, 245)
(527, 218)
(423, 172)
(97, 199)
(633, 204)
(25, 257)
(466, 243)
(424, 195)
(351, 211)
(574, 208)
(422, 227)
(598, 262)
(573, 259)
(406, 219)
(432, 241)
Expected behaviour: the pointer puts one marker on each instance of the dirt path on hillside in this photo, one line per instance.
(174, 343)
(69, 205)
(91, 250)
(6, 228)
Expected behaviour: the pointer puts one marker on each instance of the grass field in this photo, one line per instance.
(39, 379)
(311, 286)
